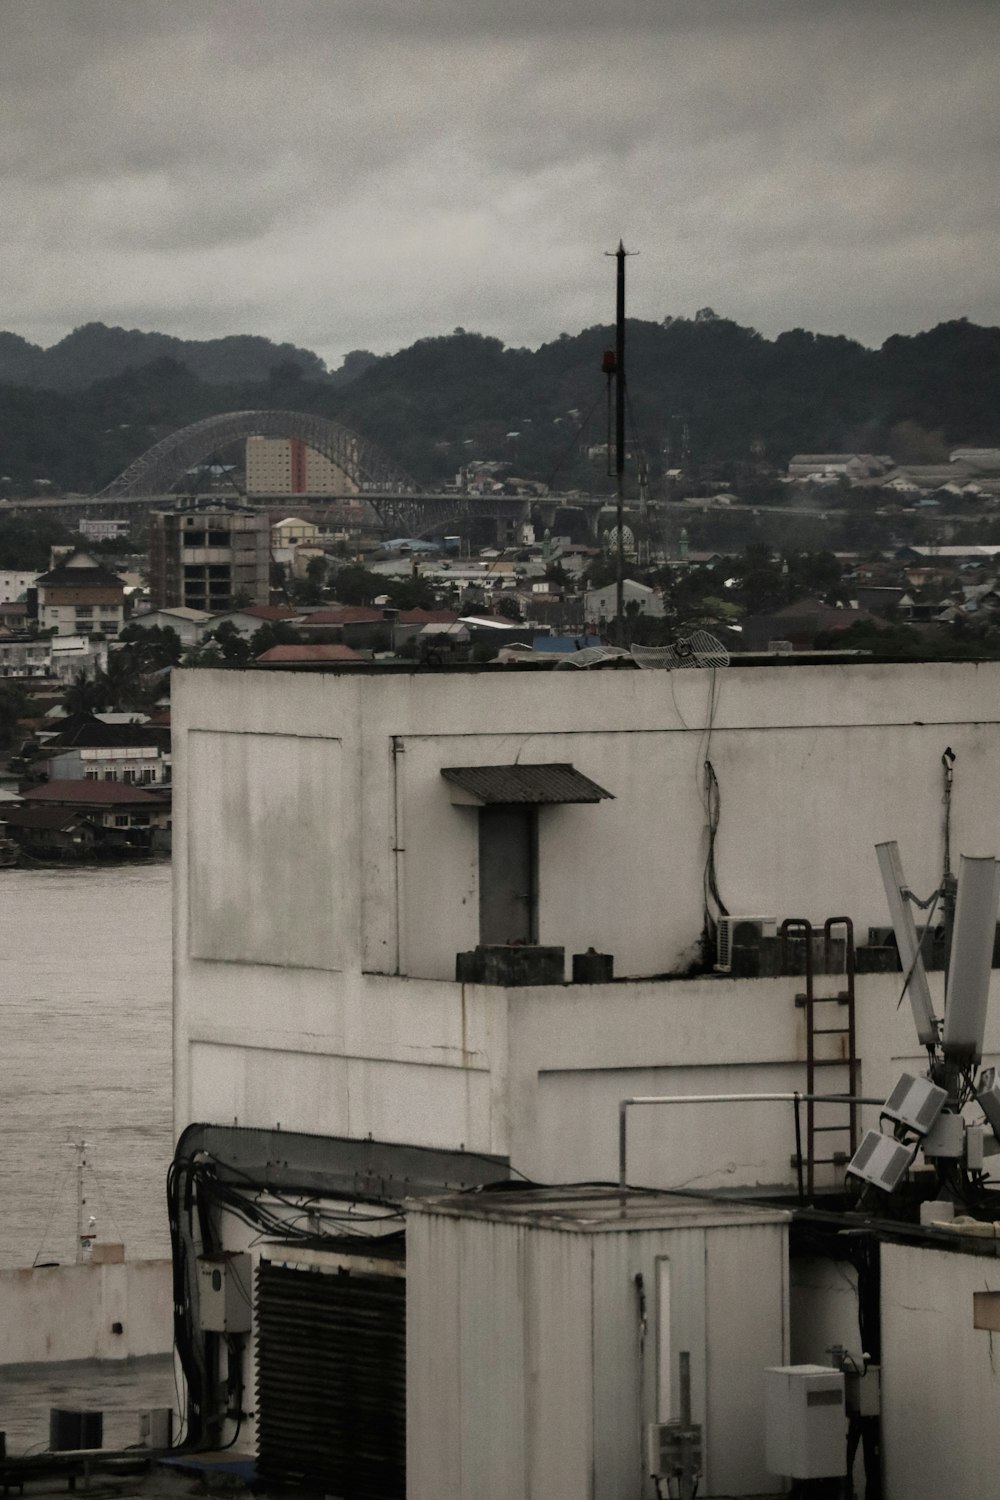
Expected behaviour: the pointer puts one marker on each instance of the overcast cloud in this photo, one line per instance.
(361, 173)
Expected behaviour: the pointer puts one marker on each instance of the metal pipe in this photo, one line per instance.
(620, 445)
(624, 1105)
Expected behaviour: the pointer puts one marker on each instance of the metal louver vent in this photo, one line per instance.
(331, 1381)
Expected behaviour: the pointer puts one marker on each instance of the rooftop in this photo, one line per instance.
(589, 1210)
(93, 793)
(290, 655)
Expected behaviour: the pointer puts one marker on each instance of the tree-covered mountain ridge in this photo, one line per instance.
(706, 389)
(97, 352)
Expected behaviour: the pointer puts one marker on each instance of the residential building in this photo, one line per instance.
(291, 657)
(287, 466)
(249, 620)
(292, 532)
(798, 624)
(600, 604)
(22, 656)
(48, 832)
(83, 747)
(209, 557)
(15, 583)
(189, 625)
(383, 882)
(79, 596)
(126, 817)
(835, 465)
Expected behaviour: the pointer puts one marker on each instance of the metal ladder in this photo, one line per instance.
(809, 1000)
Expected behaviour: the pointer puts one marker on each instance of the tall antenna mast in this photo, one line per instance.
(620, 255)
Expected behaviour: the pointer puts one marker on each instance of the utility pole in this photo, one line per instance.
(85, 1225)
(620, 445)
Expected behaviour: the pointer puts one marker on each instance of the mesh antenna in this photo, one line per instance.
(699, 649)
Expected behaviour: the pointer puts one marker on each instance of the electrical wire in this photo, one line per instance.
(56, 1196)
(572, 443)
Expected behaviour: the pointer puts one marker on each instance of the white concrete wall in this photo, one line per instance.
(324, 883)
(57, 1313)
(940, 1376)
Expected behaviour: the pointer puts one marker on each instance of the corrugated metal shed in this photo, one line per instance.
(554, 781)
(543, 1334)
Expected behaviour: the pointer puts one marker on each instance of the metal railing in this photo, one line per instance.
(795, 1098)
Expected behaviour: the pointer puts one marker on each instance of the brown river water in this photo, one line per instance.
(85, 1053)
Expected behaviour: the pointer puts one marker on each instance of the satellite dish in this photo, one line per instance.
(699, 649)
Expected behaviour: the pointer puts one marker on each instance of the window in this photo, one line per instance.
(148, 775)
(92, 775)
(110, 776)
(121, 820)
(131, 775)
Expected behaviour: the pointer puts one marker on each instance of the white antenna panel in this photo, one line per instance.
(968, 989)
(905, 929)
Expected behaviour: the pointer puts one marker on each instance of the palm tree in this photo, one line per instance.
(85, 694)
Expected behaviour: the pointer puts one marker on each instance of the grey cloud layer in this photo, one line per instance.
(348, 174)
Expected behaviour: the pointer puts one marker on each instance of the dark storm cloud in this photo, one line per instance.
(354, 173)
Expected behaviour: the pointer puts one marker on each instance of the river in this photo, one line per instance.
(85, 1053)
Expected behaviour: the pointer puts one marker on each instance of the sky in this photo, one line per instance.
(358, 174)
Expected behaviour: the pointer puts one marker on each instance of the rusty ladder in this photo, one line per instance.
(809, 1000)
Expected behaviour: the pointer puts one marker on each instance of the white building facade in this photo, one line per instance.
(327, 875)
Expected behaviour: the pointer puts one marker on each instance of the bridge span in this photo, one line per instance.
(392, 513)
(395, 501)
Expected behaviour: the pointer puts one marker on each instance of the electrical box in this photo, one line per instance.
(156, 1427)
(915, 1103)
(946, 1137)
(880, 1160)
(225, 1292)
(673, 1449)
(988, 1097)
(805, 1422)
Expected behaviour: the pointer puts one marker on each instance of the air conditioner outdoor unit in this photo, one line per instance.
(734, 930)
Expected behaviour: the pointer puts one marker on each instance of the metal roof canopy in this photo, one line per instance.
(550, 781)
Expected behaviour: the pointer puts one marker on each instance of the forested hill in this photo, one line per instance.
(447, 400)
(96, 352)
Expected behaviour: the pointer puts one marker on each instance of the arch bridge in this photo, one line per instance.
(159, 469)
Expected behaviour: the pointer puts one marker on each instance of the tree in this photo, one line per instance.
(236, 650)
(84, 695)
(15, 705)
(357, 585)
(410, 593)
(272, 633)
(509, 607)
